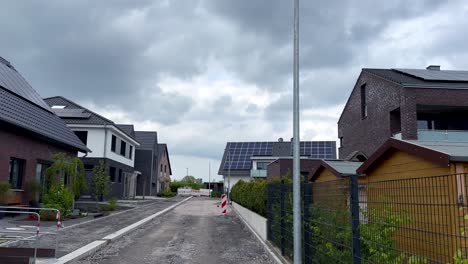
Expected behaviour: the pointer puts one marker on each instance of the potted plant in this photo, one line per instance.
(33, 189)
(5, 193)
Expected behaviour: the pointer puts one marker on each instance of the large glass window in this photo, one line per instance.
(16, 171)
(82, 135)
(262, 165)
(123, 147)
(113, 142)
(130, 152)
(112, 174)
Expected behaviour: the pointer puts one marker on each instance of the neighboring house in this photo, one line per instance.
(249, 160)
(114, 144)
(426, 182)
(284, 166)
(215, 186)
(165, 171)
(30, 133)
(146, 162)
(410, 104)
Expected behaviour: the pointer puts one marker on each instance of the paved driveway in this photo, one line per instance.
(194, 232)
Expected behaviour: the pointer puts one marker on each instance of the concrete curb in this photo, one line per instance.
(267, 248)
(92, 247)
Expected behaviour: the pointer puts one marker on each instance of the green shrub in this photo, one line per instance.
(167, 194)
(59, 197)
(251, 195)
(216, 194)
(111, 206)
(180, 184)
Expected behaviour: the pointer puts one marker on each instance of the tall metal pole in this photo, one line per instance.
(187, 171)
(296, 159)
(209, 179)
(229, 176)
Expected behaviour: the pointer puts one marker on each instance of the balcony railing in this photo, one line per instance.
(440, 135)
(258, 173)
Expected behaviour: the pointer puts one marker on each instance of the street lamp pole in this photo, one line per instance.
(187, 171)
(209, 179)
(229, 176)
(296, 141)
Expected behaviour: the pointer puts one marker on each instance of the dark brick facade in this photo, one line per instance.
(117, 187)
(390, 106)
(18, 144)
(282, 167)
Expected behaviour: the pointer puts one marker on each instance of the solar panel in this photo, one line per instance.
(238, 154)
(434, 75)
(71, 113)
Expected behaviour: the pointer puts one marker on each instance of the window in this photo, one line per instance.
(341, 142)
(113, 142)
(112, 174)
(262, 165)
(88, 167)
(161, 167)
(130, 152)
(165, 167)
(363, 102)
(120, 175)
(123, 147)
(16, 172)
(82, 135)
(40, 175)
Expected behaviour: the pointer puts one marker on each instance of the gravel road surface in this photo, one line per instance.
(194, 232)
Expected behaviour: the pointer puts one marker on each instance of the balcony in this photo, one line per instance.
(440, 135)
(443, 135)
(258, 173)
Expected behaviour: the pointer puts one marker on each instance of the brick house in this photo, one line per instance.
(30, 133)
(164, 165)
(110, 142)
(411, 104)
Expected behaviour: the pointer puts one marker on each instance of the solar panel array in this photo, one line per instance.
(13, 81)
(238, 153)
(71, 113)
(318, 149)
(433, 75)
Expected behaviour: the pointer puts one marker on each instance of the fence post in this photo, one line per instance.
(307, 198)
(354, 207)
(282, 227)
(270, 197)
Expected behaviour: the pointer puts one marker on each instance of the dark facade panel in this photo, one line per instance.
(143, 162)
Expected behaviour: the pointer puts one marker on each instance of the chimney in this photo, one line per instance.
(280, 139)
(433, 67)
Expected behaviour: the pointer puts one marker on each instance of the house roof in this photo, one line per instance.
(441, 152)
(422, 78)
(128, 129)
(163, 148)
(339, 168)
(147, 139)
(93, 119)
(85, 116)
(22, 107)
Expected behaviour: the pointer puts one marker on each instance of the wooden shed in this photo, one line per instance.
(328, 170)
(424, 182)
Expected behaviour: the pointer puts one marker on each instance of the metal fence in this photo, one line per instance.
(351, 220)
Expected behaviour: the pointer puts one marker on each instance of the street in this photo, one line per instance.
(194, 232)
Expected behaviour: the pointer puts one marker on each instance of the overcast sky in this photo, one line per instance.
(204, 72)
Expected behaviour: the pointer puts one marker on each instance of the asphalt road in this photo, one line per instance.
(193, 232)
(74, 237)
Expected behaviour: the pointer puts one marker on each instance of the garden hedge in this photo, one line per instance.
(251, 195)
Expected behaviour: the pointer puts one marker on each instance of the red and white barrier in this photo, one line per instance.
(223, 204)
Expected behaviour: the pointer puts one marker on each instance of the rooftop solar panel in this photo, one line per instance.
(435, 75)
(14, 82)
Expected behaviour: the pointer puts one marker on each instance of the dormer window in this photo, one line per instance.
(58, 107)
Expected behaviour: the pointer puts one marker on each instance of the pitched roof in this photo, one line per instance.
(416, 78)
(93, 119)
(339, 168)
(163, 148)
(441, 152)
(147, 139)
(128, 129)
(21, 106)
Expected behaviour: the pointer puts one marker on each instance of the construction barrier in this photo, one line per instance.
(223, 204)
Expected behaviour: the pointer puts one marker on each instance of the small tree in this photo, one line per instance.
(101, 181)
(70, 167)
